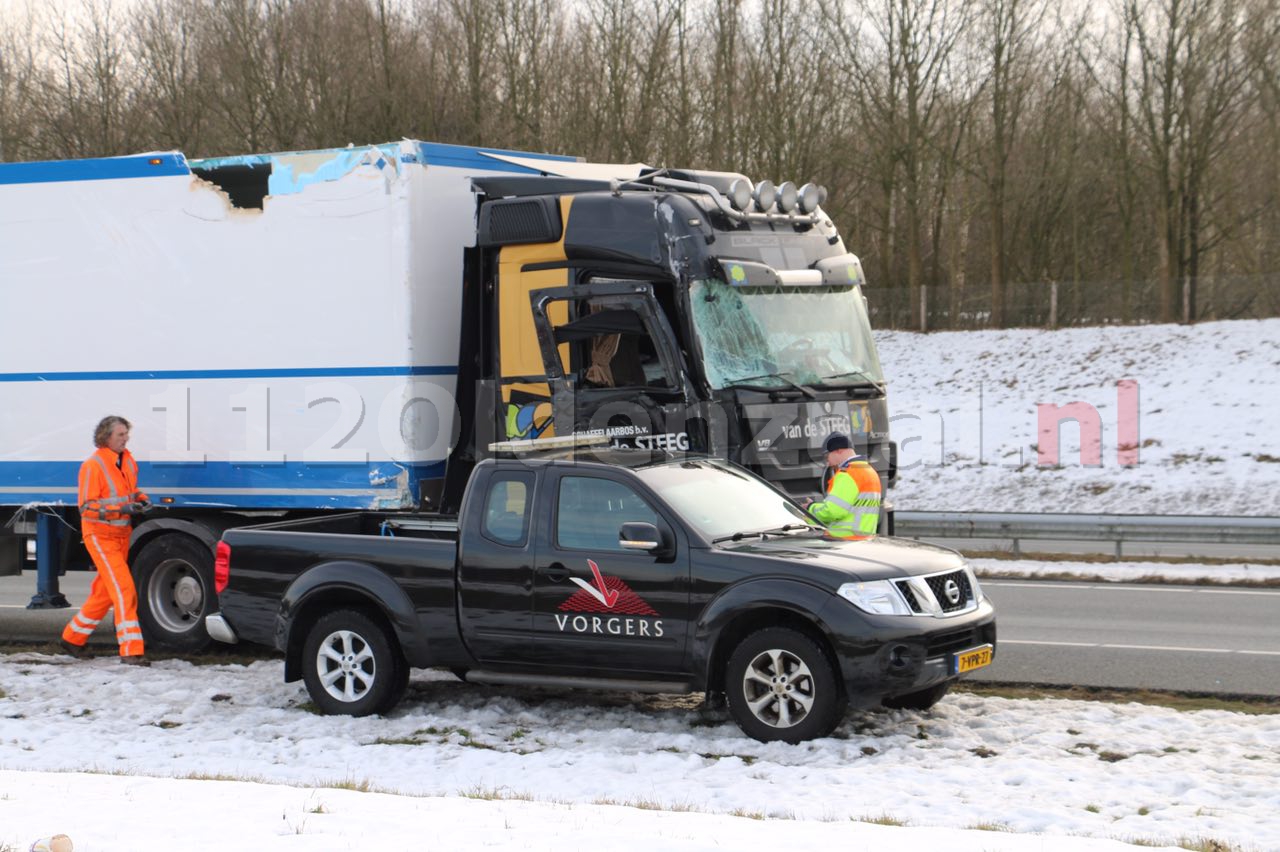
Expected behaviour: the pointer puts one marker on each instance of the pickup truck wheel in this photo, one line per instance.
(173, 575)
(781, 686)
(922, 700)
(350, 667)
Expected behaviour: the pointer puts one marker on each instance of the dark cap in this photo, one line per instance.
(836, 441)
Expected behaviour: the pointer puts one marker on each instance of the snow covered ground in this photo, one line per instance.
(964, 413)
(178, 757)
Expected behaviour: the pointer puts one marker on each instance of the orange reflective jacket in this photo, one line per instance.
(106, 488)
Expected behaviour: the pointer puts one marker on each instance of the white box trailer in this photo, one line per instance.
(290, 354)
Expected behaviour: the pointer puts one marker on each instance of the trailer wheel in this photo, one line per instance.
(350, 666)
(782, 687)
(922, 700)
(173, 575)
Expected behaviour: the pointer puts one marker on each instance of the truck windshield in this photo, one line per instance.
(775, 336)
(719, 500)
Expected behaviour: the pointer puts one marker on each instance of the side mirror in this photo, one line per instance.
(637, 535)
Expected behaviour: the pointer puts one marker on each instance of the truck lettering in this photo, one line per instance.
(613, 626)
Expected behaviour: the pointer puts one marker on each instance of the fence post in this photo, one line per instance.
(924, 308)
(1053, 304)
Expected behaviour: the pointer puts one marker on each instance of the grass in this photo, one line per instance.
(883, 819)
(746, 814)
(1193, 844)
(492, 794)
(1182, 701)
(989, 826)
(1093, 809)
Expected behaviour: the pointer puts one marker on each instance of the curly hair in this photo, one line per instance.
(103, 430)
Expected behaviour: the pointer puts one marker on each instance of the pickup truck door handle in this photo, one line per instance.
(556, 572)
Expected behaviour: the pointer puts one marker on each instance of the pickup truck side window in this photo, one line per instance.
(590, 511)
(506, 509)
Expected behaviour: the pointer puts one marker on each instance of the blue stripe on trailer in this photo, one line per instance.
(433, 153)
(265, 373)
(233, 484)
(102, 168)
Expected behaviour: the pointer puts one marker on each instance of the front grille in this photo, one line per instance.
(938, 585)
(940, 644)
(905, 588)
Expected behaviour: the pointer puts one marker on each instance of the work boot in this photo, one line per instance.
(80, 652)
(136, 660)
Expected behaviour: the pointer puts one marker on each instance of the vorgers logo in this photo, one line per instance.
(622, 611)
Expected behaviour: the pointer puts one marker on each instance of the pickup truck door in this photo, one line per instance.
(598, 608)
(495, 573)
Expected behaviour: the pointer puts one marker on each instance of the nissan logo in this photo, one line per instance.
(952, 588)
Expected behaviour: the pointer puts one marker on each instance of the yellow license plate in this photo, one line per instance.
(974, 658)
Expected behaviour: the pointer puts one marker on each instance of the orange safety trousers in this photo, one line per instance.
(111, 589)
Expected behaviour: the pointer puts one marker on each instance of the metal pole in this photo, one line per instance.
(48, 551)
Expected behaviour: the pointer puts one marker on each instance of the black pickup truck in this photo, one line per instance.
(683, 576)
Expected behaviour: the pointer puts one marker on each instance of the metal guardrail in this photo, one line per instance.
(1115, 529)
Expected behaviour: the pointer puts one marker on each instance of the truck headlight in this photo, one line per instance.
(878, 597)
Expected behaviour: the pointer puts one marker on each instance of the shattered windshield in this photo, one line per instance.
(775, 336)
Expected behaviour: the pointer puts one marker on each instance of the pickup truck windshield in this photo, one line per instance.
(719, 501)
(763, 336)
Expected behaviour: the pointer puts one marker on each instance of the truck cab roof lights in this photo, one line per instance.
(723, 204)
(740, 194)
(765, 195)
(788, 197)
(810, 197)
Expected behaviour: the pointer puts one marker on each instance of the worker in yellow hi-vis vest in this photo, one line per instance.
(851, 508)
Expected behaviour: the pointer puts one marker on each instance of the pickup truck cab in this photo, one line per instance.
(681, 576)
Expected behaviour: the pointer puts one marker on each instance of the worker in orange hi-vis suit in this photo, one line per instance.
(109, 496)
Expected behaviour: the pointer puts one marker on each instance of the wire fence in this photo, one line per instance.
(1053, 304)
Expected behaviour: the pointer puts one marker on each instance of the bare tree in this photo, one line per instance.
(1191, 79)
(84, 99)
(17, 80)
(173, 82)
(1011, 37)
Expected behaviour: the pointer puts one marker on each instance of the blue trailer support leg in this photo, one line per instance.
(48, 551)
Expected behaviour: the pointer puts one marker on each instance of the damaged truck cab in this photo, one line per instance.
(679, 311)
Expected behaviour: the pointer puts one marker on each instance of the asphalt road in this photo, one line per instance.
(1185, 638)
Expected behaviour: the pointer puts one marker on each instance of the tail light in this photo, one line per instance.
(221, 566)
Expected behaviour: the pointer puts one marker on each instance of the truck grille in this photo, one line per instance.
(938, 594)
(948, 586)
(905, 588)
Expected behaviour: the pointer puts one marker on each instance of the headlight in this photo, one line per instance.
(878, 597)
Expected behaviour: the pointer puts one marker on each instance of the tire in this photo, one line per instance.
(173, 574)
(351, 666)
(782, 687)
(922, 700)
